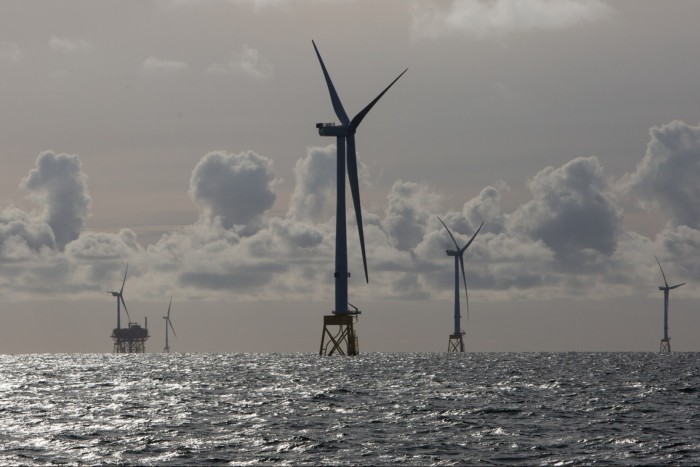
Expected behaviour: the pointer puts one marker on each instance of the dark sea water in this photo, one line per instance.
(413, 409)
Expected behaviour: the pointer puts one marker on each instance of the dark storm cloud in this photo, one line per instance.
(235, 188)
(668, 177)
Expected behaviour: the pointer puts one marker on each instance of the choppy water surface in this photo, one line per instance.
(510, 408)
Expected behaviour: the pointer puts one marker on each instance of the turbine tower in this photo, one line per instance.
(345, 144)
(665, 346)
(168, 323)
(456, 342)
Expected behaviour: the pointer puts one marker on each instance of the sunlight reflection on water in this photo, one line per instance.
(159, 409)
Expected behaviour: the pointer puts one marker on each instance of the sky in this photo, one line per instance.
(178, 136)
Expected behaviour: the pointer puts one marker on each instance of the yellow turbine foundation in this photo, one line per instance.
(456, 343)
(344, 340)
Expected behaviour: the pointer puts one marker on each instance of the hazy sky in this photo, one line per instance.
(179, 135)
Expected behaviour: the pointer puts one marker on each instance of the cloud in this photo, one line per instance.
(314, 191)
(573, 211)
(155, 65)
(22, 236)
(236, 189)
(410, 207)
(247, 62)
(66, 45)
(58, 184)
(668, 176)
(567, 240)
(484, 19)
(10, 52)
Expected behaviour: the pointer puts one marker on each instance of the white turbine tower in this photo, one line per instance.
(456, 342)
(665, 346)
(120, 298)
(345, 139)
(168, 323)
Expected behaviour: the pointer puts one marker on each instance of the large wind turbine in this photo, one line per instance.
(456, 342)
(345, 137)
(168, 323)
(665, 345)
(120, 298)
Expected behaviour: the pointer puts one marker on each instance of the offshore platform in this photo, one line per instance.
(131, 339)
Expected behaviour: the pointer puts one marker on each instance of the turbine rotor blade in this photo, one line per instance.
(448, 231)
(355, 190)
(337, 105)
(464, 278)
(357, 119)
(472, 239)
(171, 302)
(171, 327)
(662, 271)
(124, 281)
(676, 286)
(121, 297)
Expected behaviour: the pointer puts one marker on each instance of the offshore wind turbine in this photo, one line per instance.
(132, 338)
(456, 342)
(665, 346)
(168, 323)
(120, 298)
(345, 145)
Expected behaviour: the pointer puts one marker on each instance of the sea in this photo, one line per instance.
(371, 409)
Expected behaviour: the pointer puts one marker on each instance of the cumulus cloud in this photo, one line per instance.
(67, 45)
(246, 62)
(236, 189)
(59, 185)
(667, 177)
(10, 52)
(410, 207)
(22, 236)
(573, 211)
(567, 240)
(484, 19)
(155, 65)
(315, 176)
(487, 207)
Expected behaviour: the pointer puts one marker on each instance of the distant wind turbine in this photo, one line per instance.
(665, 345)
(168, 323)
(120, 298)
(456, 342)
(345, 139)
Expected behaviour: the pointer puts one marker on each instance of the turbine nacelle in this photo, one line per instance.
(671, 287)
(330, 129)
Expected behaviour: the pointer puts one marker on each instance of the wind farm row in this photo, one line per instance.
(339, 335)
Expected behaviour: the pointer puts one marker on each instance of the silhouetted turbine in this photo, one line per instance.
(345, 139)
(120, 298)
(168, 323)
(666, 289)
(459, 265)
